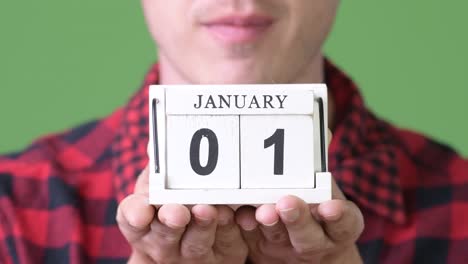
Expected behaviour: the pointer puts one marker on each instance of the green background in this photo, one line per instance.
(65, 62)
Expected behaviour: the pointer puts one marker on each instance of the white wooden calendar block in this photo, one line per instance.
(277, 152)
(202, 152)
(238, 144)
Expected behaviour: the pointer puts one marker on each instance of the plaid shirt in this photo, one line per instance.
(58, 198)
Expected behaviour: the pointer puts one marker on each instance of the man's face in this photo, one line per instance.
(239, 41)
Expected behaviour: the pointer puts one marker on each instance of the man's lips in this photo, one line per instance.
(236, 29)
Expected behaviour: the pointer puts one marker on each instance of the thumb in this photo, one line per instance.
(142, 183)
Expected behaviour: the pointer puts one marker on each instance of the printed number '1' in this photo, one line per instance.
(212, 152)
(277, 139)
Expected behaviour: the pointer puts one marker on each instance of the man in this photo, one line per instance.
(81, 196)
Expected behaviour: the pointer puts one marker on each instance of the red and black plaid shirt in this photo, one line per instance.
(58, 198)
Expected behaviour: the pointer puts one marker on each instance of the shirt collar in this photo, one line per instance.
(363, 154)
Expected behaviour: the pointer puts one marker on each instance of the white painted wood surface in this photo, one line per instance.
(257, 162)
(157, 179)
(240, 100)
(180, 131)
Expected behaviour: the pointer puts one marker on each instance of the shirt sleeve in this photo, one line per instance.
(7, 248)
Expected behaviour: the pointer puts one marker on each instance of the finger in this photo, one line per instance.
(343, 221)
(336, 191)
(266, 215)
(228, 241)
(162, 243)
(142, 183)
(259, 247)
(313, 208)
(134, 216)
(199, 237)
(245, 218)
(305, 233)
(273, 230)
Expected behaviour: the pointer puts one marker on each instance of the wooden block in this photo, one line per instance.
(277, 152)
(203, 152)
(241, 100)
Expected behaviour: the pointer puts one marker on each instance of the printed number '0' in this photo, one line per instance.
(212, 152)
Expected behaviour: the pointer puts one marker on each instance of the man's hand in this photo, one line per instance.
(293, 232)
(177, 234)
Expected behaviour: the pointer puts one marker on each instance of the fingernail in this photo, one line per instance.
(171, 225)
(290, 215)
(249, 227)
(203, 221)
(133, 221)
(271, 224)
(224, 221)
(330, 215)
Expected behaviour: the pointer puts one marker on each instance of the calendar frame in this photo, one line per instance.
(157, 151)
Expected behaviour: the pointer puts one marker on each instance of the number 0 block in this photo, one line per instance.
(238, 144)
(203, 152)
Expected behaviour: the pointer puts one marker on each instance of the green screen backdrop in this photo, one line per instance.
(66, 62)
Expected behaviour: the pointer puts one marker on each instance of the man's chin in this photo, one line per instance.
(234, 77)
(234, 81)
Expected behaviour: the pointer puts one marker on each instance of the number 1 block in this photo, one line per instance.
(277, 152)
